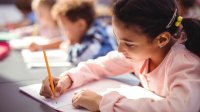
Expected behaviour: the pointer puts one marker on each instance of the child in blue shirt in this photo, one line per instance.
(29, 17)
(87, 38)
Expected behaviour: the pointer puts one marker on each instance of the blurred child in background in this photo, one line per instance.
(46, 27)
(24, 7)
(86, 37)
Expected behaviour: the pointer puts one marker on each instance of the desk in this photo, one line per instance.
(13, 69)
(14, 73)
(9, 14)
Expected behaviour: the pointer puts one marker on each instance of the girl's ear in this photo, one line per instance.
(81, 24)
(163, 39)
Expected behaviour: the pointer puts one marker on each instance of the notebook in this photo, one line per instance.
(56, 58)
(6, 36)
(23, 43)
(63, 103)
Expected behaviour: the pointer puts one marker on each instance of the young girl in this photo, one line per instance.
(47, 26)
(147, 33)
(25, 8)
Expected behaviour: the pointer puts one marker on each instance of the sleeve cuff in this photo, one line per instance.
(75, 77)
(108, 101)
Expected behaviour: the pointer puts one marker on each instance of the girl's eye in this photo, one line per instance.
(129, 44)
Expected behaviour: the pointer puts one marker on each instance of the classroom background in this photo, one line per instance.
(18, 66)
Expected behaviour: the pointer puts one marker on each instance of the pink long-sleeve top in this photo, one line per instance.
(177, 79)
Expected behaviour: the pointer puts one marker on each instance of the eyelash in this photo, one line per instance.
(129, 45)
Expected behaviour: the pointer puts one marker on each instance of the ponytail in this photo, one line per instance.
(192, 29)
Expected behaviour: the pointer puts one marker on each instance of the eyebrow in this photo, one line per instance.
(124, 39)
(127, 40)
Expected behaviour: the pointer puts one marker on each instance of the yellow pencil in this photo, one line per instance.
(49, 74)
(35, 30)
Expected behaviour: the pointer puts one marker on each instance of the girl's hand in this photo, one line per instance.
(86, 99)
(35, 47)
(61, 85)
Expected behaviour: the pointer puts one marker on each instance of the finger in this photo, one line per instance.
(78, 94)
(32, 46)
(77, 91)
(48, 97)
(44, 93)
(55, 81)
(75, 101)
(78, 100)
(44, 83)
(60, 87)
(58, 90)
(74, 97)
(46, 89)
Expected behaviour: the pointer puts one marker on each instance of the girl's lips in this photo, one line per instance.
(126, 56)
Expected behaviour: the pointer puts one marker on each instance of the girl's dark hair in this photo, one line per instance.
(85, 11)
(152, 17)
(187, 3)
(24, 5)
(192, 29)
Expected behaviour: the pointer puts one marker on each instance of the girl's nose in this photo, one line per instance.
(120, 48)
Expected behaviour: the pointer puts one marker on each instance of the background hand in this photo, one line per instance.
(35, 47)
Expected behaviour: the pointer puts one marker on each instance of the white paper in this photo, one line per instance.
(51, 64)
(63, 103)
(25, 42)
(56, 58)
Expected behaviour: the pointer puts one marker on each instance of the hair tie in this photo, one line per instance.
(179, 20)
